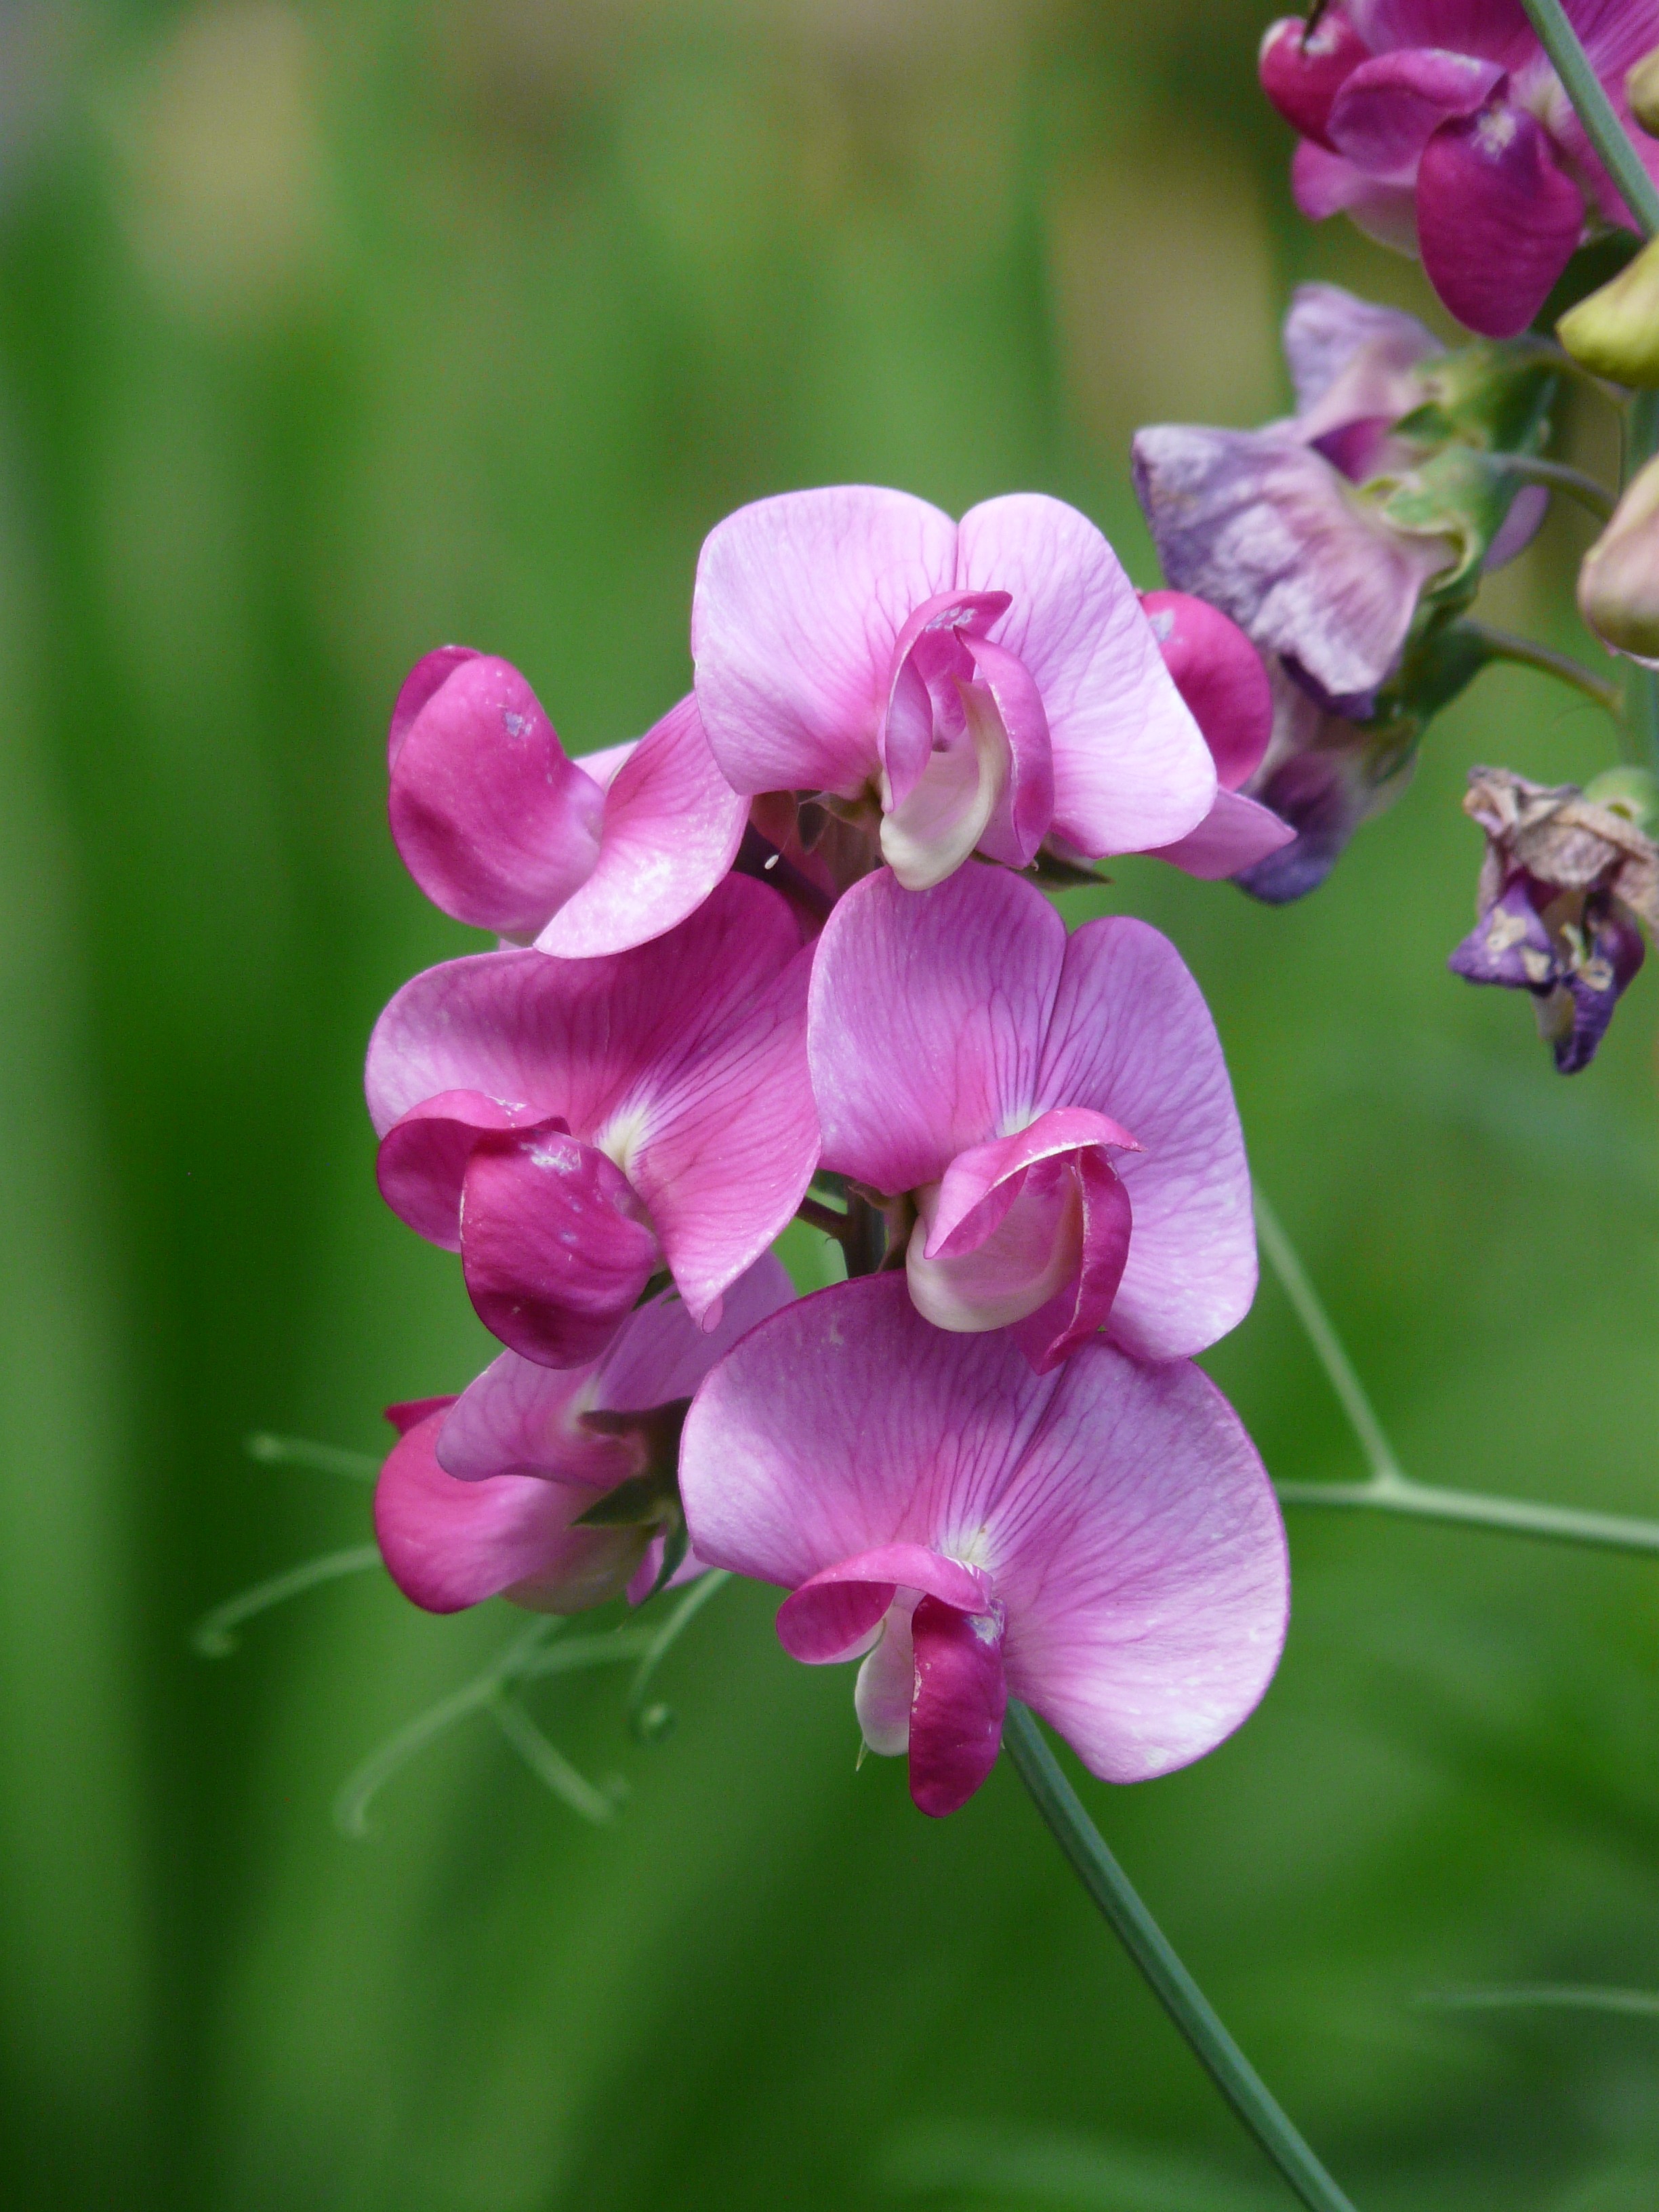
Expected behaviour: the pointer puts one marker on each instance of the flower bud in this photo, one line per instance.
(1615, 332)
(1618, 580)
(1642, 91)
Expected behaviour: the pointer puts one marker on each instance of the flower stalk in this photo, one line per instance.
(1595, 111)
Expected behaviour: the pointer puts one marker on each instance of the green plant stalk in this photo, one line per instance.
(1526, 652)
(1602, 126)
(1177, 1991)
(1389, 1489)
(1559, 477)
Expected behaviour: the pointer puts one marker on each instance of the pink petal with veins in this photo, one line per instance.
(421, 1162)
(1236, 834)
(1497, 219)
(1387, 110)
(833, 1614)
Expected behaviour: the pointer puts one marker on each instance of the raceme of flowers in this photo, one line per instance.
(792, 937)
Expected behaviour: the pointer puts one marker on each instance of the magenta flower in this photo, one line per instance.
(1220, 675)
(484, 1494)
(1439, 126)
(961, 687)
(1056, 1107)
(500, 831)
(573, 1126)
(1102, 1541)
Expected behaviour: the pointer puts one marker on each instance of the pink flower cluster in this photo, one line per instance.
(793, 935)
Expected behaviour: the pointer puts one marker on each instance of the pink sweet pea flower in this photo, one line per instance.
(1102, 1541)
(960, 687)
(501, 831)
(1443, 129)
(1057, 1108)
(484, 1494)
(573, 1126)
(1220, 675)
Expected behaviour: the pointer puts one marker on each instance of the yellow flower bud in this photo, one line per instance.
(1618, 582)
(1642, 90)
(1615, 332)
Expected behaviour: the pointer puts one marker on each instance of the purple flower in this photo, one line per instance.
(1102, 1541)
(1567, 875)
(500, 831)
(1056, 1109)
(573, 1127)
(1439, 126)
(953, 687)
(487, 1494)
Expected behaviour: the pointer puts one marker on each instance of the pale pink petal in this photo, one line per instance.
(1350, 358)
(421, 1162)
(1219, 674)
(975, 1173)
(1302, 69)
(520, 1418)
(659, 1354)
(886, 1684)
(1139, 1558)
(943, 817)
(1131, 1036)
(448, 1545)
(929, 656)
(605, 765)
(1237, 833)
(833, 1612)
(555, 1244)
(670, 829)
(799, 605)
(1026, 1246)
(1130, 769)
(1024, 810)
(1497, 219)
(1387, 109)
(961, 1694)
(1324, 185)
(493, 822)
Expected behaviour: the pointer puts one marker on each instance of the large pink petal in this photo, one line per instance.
(1237, 833)
(834, 1612)
(1130, 769)
(960, 1697)
(1141, 1560)
(799, 605)
(493, 822)
(1219, 674)
(845, 1423)
(926, 1019)
(1131, 1036)
(1497, 219)
(554, 1245)
(1325, 185)
(421, 1162)
(1382, 117)
(449, 1544)
(1302, 70)
(670, 829)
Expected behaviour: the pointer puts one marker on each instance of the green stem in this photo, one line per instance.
(1177, 1991)
(1560, 477)
(300, 1451)
(1603, 128)
(1390, 1489)
(1526, 652)
(213, 1636)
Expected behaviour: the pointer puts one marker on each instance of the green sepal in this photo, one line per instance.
(676, 1542)
(1463, 495)
(640, 1503)
(1494, 395)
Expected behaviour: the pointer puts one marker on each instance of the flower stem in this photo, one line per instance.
(1389, 1488)
(1526, 652)
(1596, 112)
(1173, 1987)
(1560, 477)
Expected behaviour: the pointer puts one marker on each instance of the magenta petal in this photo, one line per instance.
(422, 1158)
(1302, 70)
(1026, 809)
(1495, 29)
(429, 674)
(836, 1610)
(1081, 1308)
(1237, 833)
(660, 1354)
(555, 1246)
(1130, 769)
(1219, 674)
(798, 603)
(1324, 185)
(449, 1544)
(928, 653)
(1498, 220)
(1382, 117)
(975, 1173)
(494, 824)
(961, 1695)
(1131, 1036)
(409, 1411)
(670, 829)
(925, 1018)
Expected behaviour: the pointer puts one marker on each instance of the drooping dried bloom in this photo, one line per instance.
(573, 1127)
(1056, 1109)
(957, 687)
(1102, 1541)
(500, 830)
(493, 1493)
(1567, 875)
(1443, 130)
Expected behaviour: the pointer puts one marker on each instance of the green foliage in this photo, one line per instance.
(327, 334)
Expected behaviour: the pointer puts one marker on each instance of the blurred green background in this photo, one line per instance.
(328, 332)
